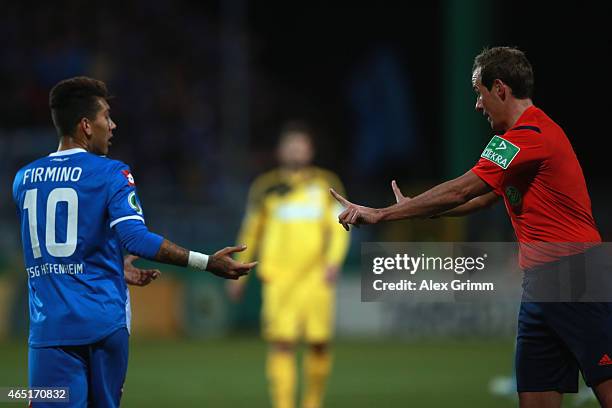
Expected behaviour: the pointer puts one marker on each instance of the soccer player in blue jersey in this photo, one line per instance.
(79, 210)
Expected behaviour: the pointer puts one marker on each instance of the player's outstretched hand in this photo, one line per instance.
(222, 264)
(354, 214)
(398, 193)
(136, 276)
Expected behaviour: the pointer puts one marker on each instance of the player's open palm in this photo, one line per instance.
(136, 276)
(223, 265)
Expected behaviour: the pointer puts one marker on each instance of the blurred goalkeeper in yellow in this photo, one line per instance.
(291, 223)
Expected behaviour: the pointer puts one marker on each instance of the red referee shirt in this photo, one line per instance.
(534, 167)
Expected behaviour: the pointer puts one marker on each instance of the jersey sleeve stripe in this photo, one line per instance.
(129, 217)
(534, 128)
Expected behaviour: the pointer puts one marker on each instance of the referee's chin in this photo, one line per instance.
(496, 129)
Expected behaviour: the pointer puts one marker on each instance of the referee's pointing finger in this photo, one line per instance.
(339, 198)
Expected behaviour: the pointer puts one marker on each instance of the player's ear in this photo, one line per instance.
(85, 125)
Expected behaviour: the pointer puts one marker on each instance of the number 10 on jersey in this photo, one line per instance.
(56, 196)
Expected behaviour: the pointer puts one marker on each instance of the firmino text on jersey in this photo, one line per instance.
(55, 174)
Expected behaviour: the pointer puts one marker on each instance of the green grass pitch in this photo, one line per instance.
(229, 373)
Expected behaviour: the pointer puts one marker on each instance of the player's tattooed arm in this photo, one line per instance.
(170, 253)
(220, 263)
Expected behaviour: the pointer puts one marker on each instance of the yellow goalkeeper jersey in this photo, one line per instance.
(291, 225)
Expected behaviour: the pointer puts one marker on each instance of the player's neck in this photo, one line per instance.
(292, 170)
(68, 142)
(517, 108)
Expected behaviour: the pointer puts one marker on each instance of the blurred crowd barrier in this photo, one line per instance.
(193, 306)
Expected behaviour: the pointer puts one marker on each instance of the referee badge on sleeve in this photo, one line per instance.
(500, 152)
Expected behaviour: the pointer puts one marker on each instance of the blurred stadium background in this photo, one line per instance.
(202, 89)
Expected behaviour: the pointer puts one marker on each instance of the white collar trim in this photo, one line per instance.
(69, 151)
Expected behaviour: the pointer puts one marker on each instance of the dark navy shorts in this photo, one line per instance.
(557, 340)
(94, 373)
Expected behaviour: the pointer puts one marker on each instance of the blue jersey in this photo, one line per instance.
(68, 204)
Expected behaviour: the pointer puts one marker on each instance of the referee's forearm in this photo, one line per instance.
(472, 206)
(439, 199)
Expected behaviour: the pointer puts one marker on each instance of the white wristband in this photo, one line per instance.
(197, 260)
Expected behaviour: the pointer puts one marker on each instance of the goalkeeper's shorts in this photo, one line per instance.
(292, 311)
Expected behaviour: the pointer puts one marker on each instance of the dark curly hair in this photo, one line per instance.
(73, 99)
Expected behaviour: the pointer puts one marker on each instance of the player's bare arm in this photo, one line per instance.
(220, 263)
(439, 199)
(170, 253)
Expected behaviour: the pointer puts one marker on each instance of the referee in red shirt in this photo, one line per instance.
(533, 167)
